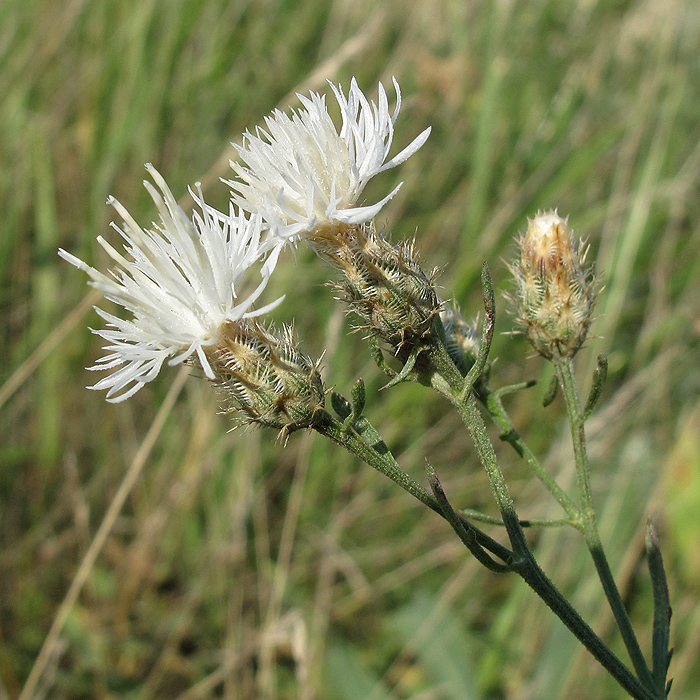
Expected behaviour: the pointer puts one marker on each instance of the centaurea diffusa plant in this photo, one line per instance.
(301, 184)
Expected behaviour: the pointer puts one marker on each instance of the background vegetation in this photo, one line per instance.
(241, 569)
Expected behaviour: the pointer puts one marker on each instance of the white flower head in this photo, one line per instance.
(179, 281)
(301, 172)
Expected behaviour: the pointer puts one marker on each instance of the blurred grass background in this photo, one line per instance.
(240, 569)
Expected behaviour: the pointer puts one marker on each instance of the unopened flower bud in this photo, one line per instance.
(462, 339)
(262, 373)
(555, 288)
(382, 283)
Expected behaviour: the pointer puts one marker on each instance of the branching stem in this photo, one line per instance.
(449, 382)
(375, 453)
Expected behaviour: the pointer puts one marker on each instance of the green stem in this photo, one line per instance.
(493, 520)
(567, 381)
(474, 381)
(508, 433)
(378, 456)
(451, 385)
(547, 591)
(380, 459)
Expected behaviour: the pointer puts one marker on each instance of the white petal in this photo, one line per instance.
(179, 282)
(301, 171)
(407, 152)
(362, 214)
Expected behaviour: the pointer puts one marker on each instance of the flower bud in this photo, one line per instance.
(555, 288)
(461, 338)
(261, 373)
(382, 283)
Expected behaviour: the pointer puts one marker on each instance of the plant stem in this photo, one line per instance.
(450, 384)
(560, 606)
(493, 520)
(508, 433)
(567, 381)
(377, 456)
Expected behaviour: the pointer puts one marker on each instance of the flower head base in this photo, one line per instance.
(555, 289)
(262, 374)
(382, 283)
(180, 282)
(301, 172)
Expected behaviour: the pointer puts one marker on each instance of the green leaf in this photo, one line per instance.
(661, 654)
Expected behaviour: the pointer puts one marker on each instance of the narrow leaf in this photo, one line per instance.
(599, 377)
(358, 398)
(552, 391)
(661, 655)
(341, 405)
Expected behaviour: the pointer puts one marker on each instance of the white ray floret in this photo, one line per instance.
(300, 171)
(179, 281)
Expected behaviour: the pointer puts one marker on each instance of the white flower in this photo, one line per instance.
(180, 283)
(300, 172)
